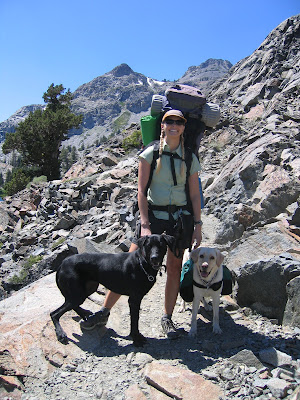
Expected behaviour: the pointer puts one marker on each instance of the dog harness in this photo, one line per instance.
(215, 286)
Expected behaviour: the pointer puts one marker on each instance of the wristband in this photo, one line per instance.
(198, 222)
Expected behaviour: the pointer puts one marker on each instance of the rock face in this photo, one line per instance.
(204, 74)
(10, 124)
(257, 280)
(255, 148)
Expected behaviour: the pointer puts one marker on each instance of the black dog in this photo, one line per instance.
(132, 274)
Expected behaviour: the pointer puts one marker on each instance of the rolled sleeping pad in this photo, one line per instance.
(210, 114)
(148, 127)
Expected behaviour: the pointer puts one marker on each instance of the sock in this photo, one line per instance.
(105, 311)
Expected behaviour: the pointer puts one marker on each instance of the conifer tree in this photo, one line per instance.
(39, 136)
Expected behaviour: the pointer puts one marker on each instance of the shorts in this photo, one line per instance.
(183, 235)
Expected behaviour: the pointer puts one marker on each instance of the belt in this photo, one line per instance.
(171, 209)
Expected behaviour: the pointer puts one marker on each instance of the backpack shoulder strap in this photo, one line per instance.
(153, 163)
(188, 161)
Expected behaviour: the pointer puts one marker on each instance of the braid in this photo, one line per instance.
(182, 170)
(161, 146)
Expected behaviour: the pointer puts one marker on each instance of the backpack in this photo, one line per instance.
(188, 162)
(186, 99)
(198, 113)
(186, 281)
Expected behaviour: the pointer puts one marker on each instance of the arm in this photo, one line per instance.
(144, 172)
(196, 203)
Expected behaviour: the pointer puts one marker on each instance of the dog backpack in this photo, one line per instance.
(228, 280)
(186, 281)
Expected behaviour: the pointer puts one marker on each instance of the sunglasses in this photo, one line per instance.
(179, 122)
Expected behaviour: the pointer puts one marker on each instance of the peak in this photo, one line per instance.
(214, 62)
(122, 70)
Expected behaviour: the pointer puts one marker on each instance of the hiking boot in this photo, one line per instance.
(98, 319)
(168, 327)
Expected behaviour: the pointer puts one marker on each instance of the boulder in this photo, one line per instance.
(262, 285)
(291, 314)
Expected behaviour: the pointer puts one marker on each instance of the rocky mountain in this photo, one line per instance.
(260, 103)
(10, 124)
(250, 176)
(111, 102)
(204, 74)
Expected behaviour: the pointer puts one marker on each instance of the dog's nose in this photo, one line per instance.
(154, 260)
(205, 265)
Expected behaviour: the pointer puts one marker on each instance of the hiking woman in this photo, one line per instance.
(163, 209)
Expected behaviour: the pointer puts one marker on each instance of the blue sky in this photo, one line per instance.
(74, 41)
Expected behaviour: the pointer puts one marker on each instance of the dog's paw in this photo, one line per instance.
(63, 339)
(217, 330)
(181, 309)
(138, 340)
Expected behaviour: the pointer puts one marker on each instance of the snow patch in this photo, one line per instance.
(153, 81)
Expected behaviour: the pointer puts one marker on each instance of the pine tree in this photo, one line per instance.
(39, 136)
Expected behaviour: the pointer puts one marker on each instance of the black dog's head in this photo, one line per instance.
(154, 248)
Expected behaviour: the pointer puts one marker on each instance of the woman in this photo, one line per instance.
(156, 216)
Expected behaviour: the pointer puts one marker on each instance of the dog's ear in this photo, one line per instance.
(195, 254)
(170, 240)
(219, 257)
(141, 241)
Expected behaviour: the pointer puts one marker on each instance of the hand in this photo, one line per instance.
(197, 236)
(145, 231)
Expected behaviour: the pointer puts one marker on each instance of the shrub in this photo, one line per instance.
(37, 180)
(132, 141)
(18, 182)
(23, 274)
(120, 122)
(59, 241)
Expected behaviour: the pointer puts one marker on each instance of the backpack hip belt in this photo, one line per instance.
(171, 209)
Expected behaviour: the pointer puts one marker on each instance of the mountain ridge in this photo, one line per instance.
(107, 96)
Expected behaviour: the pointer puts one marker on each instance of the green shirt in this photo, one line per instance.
(162, 190)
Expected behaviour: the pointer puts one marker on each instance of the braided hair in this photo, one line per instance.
(160, 152)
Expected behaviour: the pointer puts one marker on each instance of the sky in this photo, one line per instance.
(71, 42)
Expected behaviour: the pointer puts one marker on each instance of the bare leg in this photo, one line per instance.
(101, 317)
(171, 293)
(173, 282)
(112, 297)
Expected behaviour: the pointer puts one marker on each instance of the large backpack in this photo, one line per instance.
(188, 162)
(192, 103)
(198, 113)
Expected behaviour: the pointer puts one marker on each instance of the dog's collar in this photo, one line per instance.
(207, 285)
(215, 286)
(151, 278)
